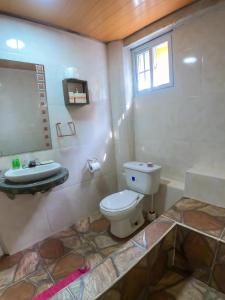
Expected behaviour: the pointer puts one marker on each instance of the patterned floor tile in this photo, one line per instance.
(161, 257)
(202, 216)
(111, 295)
(64, 294)
(51, 249)
(66, 265)
(28, 287)
(95, 223)
(7, 276)
(28, 264)
(84, 244)
(100, 225)
(223, 236)
(8, 261)
(104, 241)
(213, 294)
(94, 282)
(173, 286)
(93, 260)
(82, 226)
(127, 256)
(16, 267)
(108, 251)
(218, 273)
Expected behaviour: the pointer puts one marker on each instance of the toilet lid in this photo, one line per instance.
(120, 201)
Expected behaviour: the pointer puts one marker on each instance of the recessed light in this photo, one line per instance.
(15, 44)
(138, 2)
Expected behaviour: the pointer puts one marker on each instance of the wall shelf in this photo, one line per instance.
(75, 91)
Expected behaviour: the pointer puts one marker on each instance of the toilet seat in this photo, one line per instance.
(120, 201)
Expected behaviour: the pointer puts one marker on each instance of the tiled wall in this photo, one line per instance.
(200, 256)
(120, 83)
(218, 273)
(207, 186)
(183, 127)
(147, 273)
(200, 241)
(194, 253)
(28, 219)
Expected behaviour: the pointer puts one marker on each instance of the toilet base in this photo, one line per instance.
(124, 228)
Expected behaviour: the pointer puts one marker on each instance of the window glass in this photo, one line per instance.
(161, 74)
(143, 70)
(144, 80)
(140, 63)
(153, 65)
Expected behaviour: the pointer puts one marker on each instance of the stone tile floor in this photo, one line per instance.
(202, 216)
(174, 286)
(31, 271)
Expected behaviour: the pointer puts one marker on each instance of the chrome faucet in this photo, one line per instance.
(30, 163)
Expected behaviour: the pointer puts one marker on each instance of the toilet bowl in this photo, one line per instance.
(124, 211)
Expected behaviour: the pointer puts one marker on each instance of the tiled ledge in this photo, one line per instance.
(194, 215)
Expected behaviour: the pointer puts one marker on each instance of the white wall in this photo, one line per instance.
(28, 219)
(120, 82)
(184, 127)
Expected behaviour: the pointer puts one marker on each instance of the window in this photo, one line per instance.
(153, 65)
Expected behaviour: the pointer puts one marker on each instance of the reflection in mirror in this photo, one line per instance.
(24, 120)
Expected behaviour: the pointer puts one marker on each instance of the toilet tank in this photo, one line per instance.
(142, 177)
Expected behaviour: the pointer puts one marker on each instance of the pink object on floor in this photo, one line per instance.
(50, 292)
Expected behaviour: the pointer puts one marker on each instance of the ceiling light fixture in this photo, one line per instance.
(15, 44)
(138, 2)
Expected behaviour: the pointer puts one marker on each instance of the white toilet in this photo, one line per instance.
(124, 209)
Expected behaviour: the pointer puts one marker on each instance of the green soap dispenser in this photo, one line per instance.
(16, 163)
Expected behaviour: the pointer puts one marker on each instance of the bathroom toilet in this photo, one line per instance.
(124, 209)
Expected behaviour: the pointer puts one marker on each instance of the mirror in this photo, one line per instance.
(24, 119)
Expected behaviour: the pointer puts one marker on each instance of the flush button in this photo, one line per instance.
(133, 178)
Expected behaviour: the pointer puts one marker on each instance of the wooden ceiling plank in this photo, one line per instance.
(76, 13)
(122, 28)
(127, 13)
(104, 12)
(105, 20)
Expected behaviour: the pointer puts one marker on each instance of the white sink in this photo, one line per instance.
(32, 174)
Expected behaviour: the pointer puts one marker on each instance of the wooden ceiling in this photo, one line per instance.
(105, 20)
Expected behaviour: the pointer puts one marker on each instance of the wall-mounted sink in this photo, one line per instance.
(32, 174)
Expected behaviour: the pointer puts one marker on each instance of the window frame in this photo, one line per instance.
(149, 46)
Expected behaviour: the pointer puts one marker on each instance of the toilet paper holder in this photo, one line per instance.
(93, 165)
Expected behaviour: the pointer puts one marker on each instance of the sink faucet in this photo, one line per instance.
(30, 163)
